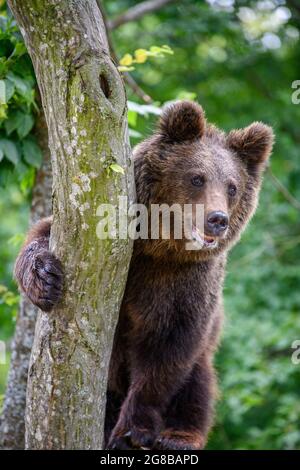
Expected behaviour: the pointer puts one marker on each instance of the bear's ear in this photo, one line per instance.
(253, 144)
(182, 120)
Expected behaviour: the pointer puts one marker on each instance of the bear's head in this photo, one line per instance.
(188, 161)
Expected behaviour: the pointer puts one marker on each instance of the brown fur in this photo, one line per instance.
(38, 271)
(162, 383)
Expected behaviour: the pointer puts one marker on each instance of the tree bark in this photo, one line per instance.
(12, 420)
(85, 107)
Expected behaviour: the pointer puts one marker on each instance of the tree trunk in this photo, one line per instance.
(12, 420)
(85, 108)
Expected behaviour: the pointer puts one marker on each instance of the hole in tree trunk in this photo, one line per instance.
(104, 85)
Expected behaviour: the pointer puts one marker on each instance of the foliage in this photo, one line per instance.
(19, 158)
(141, 56)
(19, 152)
(239, 60)
(15, 212)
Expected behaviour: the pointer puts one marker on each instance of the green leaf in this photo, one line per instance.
(167, 49)
(32, 152)
(27, 180)
(19, 121)
(1, 154)
(11, 123)
(124, 68)
(160, 51)
(186, 95)
(132, 117)
(2, 92)
(10, 150)
(3, 108)
(20, 170)
(155, 49)
(21, 85)
(20, 49)
(116, 168)
(25, 125)
(9, 89)
(3, 66)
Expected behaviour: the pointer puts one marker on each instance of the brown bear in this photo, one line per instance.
(161, 382)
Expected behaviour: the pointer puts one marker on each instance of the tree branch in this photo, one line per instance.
(283, 190)
(129, 80)
(137, 90)
(137, 12)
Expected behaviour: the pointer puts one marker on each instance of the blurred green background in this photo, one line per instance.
(239, 60)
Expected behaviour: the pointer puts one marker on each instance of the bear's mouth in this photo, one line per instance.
(203, 240)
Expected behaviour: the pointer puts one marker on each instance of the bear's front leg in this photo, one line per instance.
(154, 381)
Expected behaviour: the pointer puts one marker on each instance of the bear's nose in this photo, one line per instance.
(216, 223)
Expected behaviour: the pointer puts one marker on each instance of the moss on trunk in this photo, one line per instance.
(85, 108)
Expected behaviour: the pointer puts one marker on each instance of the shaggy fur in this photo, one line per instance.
(38, 272)
(161, 382)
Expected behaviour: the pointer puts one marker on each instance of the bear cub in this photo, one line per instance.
(161, 382)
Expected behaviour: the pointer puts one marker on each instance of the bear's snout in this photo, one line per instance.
(216, 223)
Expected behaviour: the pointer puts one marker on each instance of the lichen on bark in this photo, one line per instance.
(85, 107)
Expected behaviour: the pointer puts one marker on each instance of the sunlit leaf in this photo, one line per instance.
(123, 68)
(126, 60)
(117, 168)
(132, 117)
(140, 56)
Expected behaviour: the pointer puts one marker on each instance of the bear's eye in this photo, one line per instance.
(198, 181)
(232, 190)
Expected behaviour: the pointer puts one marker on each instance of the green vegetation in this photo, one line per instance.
(239, 62)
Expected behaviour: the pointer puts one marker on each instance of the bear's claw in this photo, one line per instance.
(133, 439)
(179, 440)
(43, 283)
